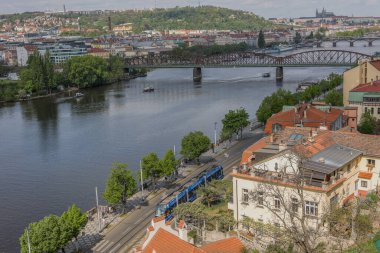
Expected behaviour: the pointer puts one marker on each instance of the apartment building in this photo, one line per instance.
(366, 98)
(329, 168)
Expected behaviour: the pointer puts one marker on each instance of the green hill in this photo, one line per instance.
(202, 18)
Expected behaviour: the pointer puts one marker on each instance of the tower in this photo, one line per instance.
(109, 23)
(64, 8)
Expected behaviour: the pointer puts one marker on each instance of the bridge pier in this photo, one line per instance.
(197, 74)
(279, 73)
(351, 43)
(334, 43)
(370, 43)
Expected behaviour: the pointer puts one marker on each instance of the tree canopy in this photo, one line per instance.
(367, 124)
(297, 38)
(194, 144)
(234, 121)
(71, 222)
(168, 164)
(334, 98)
(261, 40)
(120, 185)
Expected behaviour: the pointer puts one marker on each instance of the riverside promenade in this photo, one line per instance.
(119, 233)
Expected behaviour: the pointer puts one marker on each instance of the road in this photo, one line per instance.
(127, 233)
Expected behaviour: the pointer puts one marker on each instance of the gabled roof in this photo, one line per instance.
(367, 87)
(375, 64)
(165, 242)
(256, 146)
(230, 245)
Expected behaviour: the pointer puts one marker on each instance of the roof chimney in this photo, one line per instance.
(321, 160)
(371, 81)
(304, 114)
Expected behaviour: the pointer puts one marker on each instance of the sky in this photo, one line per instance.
(265, 8)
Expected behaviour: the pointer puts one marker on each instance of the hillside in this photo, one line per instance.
(202, 18)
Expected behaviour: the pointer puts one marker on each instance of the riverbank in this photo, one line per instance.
(60, 92)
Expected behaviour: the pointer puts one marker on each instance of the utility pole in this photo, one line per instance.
(174, 150)
(142, 182)
(97, 207)
(27, 236)
(215, 134)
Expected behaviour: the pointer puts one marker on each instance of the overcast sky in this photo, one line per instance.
(266, 8)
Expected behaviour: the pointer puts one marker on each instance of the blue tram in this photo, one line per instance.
(187, 192)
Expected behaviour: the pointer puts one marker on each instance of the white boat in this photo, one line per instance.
(148, 89)
(78, 94)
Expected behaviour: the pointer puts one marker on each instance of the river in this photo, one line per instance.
(54, 151)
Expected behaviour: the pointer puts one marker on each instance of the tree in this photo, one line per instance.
(289, 212)
(367, 123)
(297, 38)
(194, 144)
(151, 167)
(115, 65)
(261, 40)
(334, 98)
(120, 185)
(215, 191)
(44, 236)
(235, 121)
(168, 164)
(72, 222)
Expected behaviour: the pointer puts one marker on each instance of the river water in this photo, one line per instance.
(54, 151)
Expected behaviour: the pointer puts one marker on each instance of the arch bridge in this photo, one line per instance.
(313, 58)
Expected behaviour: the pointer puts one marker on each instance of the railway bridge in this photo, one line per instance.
(312, 58)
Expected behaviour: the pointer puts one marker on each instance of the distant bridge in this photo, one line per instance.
(313, 58)
(351, 40)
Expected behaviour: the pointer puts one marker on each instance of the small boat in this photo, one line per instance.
(148, 89)
(78, 94)
(266, 74)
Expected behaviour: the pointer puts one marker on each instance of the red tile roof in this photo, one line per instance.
(256, 146)
(230, 245)
(165, 242)
(365, 175)
(367, 87)
(158, 219)
(308, 115)
(376, 64)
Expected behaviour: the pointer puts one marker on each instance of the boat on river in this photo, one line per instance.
(266, 75)
(78, 95)
(148, 89)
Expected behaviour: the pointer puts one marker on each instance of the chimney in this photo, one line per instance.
(371, 81)
(282, 146)
(271, 138)
(304, 114)
(321, 160)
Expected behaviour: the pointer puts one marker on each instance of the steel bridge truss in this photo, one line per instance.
(250, 59)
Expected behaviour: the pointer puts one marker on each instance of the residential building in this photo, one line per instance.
(366, 98)
(23, 54)
(366, 72)
(123, 29)
(306, 115)
(99, 52)
(334, 166)
(59, 53)
(167, 237)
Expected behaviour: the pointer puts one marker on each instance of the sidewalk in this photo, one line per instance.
(90, 235)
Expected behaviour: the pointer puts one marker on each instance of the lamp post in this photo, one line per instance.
(142, 182)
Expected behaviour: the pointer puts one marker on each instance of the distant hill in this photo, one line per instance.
(195, 18)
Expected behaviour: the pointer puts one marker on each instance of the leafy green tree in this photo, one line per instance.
(168, 163)
(193, 211)
(86, 71)
(115, 65)
(151, 167)
(297, 38)
(48, 73)
(261, 40)
(334, 98)
(194, 144)
(120, 185)
(367, 123)
(44, 236)
(235, 121)
(72, 222)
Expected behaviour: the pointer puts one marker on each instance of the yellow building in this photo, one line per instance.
(366, 72)
(122, 29)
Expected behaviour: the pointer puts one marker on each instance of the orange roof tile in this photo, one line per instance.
(365, 175)
(256, 146)
(376, 64)
(165, 242)
(367, 87)
(151, 228)
(230, 245)
(158, 219)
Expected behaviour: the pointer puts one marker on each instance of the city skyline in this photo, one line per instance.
(267, 9)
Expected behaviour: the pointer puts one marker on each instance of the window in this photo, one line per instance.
(365, 109)
(378, 110)
(311, 208)
(372, 110)
(260, 198)
(295, 205)
(364, 184)
(245, 196)
(356, 184)
(370, 162)
(277, 203)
